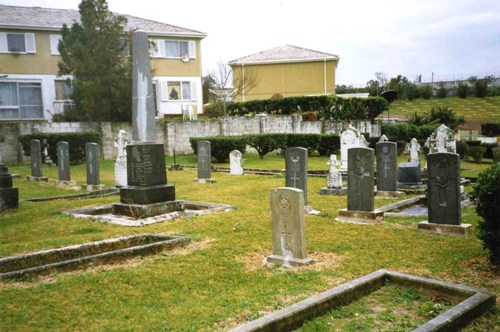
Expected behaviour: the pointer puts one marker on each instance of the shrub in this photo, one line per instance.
(405, 131)
(486, 195)
(401, 147)
(442, 91)
(265, 143)
(426, 91)
(474, 143)
(309, 116)
(490, 129)
(462, 148)
(477, 153)
(463, 90)
(496, 154)
(445, 115)
(481, 85)
(221, 146)
(215, 109)
(76, 142)
(308, 141)
(489, 149)
(329, 144)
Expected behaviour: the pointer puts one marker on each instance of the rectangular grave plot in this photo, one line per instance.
(78, 256)
(472, 303)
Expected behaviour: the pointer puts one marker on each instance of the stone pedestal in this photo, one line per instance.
(211, 180)
(388, 194)
(445, 229)
(37, 178)
(66, 184)
(333, 191)
(146, 175)
(140, 211)
(360, 217)
(93, 187)
(9, 197)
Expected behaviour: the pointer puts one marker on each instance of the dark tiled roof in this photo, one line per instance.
(53, 19)
(285, 53)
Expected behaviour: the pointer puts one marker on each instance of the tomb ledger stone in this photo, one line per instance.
(360, 179)
(444, 188)
(386, 153)
(9, 197)
(288, 227)
(296, 169)
(63, 161)
(146, 171)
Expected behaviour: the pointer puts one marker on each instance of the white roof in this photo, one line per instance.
(283, 54)
(37, 18)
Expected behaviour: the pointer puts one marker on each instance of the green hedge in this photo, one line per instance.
(76, 143)
(265, 143)
(486, 195)
(406, 131)
(490, 129)
(221, 146)
(329, 144)
(327, 107)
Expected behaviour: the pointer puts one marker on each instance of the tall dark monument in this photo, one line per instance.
(9, 197)
(146, 171)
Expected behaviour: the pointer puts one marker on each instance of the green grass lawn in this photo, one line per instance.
(472, 108)
(219, 281)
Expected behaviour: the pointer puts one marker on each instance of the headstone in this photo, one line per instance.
(414, 148)
(92, 156)
(409, 174)
(363, 143)
(46, 156)
(383, 138)
(121, 159)
(9, 196)
(333, 179)
(288, 227)
(442, 140)
(146, 170)
(360, 196)
(443, 195)
(204, 152)
(36, 161)
(63, 162)
(349, 138)
(296, 169)
(236, 161)
(386, 153)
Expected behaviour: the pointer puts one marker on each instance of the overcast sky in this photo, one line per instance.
(408, 37)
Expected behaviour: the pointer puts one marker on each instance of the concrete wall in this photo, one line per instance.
(174, 135)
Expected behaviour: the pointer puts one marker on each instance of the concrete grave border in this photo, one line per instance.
(91, 253)
(474, 302)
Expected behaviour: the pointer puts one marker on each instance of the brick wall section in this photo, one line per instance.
(174, 135)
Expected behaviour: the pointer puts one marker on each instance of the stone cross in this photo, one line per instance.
(36, 158)
(92, 157)
(444, 188)
(121, 159)
(204, 160)
(360, 196)
(236, 161)
(63, 161)
(288, 227)
(414, 149)
(386, 153)
(143, 110)
(334, 177)
(296, 169)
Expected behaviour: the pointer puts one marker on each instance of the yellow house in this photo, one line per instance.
(31, 90)
(285, 71)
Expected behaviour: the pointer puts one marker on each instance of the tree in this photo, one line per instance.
(374, 88)
(93, 51)
(481, 85)
(381, 78)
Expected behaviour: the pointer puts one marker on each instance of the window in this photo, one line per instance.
(178, 90)
(63, 90)
(54, 43)
(20, 100)
(176, 49)
(17, 42)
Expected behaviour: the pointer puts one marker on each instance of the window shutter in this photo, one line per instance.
(194, 96)
(164, 91)
(54, 42)
(3, 42)
(30, 42)
(192, 49)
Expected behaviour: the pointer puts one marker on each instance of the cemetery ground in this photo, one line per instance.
(219, 280)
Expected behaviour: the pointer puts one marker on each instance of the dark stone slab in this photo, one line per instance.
(36, 158)
(360, 195)
(409, 173)
(444, 188)
(386, 153)
(296, 169)
(92, 161)
(147, 194)
(63, 161)
(146, 165)
(204, 153)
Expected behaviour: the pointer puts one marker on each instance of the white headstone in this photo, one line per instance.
(349, 138)
(442, 140)
(414, 149)
(383, 138)
(236, 163)
(121, 159)
(334, 177)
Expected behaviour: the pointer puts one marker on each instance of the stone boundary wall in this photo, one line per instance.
(174, 135)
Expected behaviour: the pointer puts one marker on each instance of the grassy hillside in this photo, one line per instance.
(475, 110)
